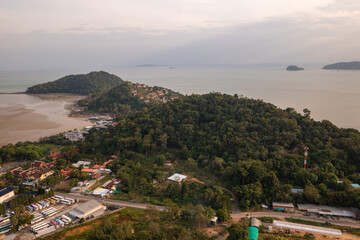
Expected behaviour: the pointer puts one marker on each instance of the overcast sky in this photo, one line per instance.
(43, 34)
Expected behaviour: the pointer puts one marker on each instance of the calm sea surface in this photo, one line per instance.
(329, 94)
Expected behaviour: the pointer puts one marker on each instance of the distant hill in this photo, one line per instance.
(84, 84)
(126, 97)
(294, 68)
(344, 66)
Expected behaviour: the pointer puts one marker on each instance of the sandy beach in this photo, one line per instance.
(29, 117)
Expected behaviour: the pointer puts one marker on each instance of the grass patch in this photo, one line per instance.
(354, 231)
(81, 231)
(64, 186)
(267, 219)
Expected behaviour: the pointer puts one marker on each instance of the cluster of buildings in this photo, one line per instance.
(38, 171)
(107, 188)
(148, 94)
(102, 122)
(95, 169)
(323, 210)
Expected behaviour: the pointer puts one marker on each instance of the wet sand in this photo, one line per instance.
(29, 117)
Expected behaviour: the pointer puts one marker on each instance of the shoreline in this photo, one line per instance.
(29, 117)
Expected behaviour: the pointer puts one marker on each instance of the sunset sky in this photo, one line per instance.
(87, 33)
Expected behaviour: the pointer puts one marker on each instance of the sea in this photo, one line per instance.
(329, 94)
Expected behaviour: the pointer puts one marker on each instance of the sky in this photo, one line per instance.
(40, 34)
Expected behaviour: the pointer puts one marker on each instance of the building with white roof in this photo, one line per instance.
(89, 209)
(329, 210)
(177, 177)
(307, 228)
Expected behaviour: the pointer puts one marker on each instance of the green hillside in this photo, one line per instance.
(126, 97)
(253, 148)
(83, 84)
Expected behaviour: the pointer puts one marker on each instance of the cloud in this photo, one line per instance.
(321, 35)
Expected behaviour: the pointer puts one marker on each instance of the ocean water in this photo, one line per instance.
(328, 94)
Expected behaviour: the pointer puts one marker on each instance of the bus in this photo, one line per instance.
(67, 202)
(70, 199)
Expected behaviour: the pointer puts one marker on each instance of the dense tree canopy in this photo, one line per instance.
(83, 84)
(252, 147)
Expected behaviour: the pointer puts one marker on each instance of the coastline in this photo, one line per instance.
(28, 117)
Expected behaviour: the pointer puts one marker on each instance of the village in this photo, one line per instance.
(149, 94)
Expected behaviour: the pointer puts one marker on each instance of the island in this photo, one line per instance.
(344, 66)
(294, 68)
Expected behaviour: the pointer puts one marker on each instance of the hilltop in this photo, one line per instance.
(344, 66)
(128, 96)
(84, 84)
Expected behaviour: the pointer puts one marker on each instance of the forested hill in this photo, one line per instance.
(252, 147)
(83, 84)
(128, 96)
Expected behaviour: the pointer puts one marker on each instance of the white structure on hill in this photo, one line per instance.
(177, 177)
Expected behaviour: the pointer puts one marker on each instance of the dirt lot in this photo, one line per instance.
(64, 186)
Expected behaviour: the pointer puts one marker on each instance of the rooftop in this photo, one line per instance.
(5, 190)
(177, 177)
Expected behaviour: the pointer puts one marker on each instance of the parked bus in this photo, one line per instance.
(60, 197)
(70, 199)
(37, 227)
(67, 202)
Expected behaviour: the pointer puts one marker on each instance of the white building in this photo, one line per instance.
(177, 177)
(307, 228)
(85, 164)
(6, 193)
(89, 209)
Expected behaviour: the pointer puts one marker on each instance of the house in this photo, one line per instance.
(66, 171)
(89, 170)
(296, 190)
(6, 193)
(280, 206)
(89, 209)
(16, 171)
(81, 163)
(167, 163)
(55, 155)
(41, 175)
(102, 192)
(38, 164)
(96, 176)
(177, 177)
(111, 184)
(76, 136)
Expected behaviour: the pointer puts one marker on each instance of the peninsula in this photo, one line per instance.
(344, 66)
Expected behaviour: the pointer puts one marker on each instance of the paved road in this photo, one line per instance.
(109, 201)
(119, 203)
(288, 215)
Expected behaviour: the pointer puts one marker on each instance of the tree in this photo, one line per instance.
(237, 232)
(171, 208)
(311, 194)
